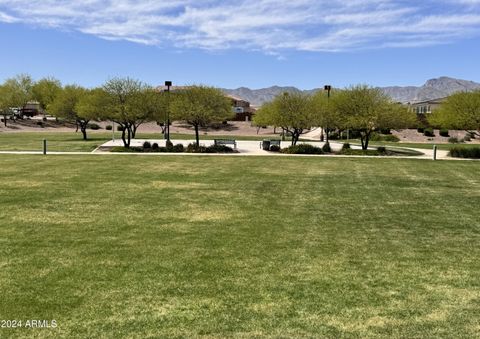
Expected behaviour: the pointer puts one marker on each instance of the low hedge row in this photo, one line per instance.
(465, 152)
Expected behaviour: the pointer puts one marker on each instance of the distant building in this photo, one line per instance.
(426, 107)
(31, 109)
(242, 109)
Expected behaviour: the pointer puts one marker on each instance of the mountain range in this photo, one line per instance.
(432, 89)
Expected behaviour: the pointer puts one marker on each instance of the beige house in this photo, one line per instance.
(426, 107)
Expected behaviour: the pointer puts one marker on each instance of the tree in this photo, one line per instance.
(156, 105)
(324, 113)
(123, 105)
(459, 111)
(65, 106)
(45, 91)
(199, 106)
(7, 101)
(265, 116)
(16, 92)
(367, 109)
(293, 112)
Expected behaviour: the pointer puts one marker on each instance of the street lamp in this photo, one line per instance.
(327, 88)
(168, 84)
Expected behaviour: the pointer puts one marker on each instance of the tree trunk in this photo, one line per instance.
(365, 138)
(123, 136)
(5, 120)
(197, 138)
(134, 130)
(83, 127)
(326, 134)
(129, 136)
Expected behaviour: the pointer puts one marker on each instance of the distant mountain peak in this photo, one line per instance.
(432, 89)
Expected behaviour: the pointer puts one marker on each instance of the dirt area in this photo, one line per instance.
(51, 125)
(413, 136)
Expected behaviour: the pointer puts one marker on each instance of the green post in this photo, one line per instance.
(44, 146)
(434, 152)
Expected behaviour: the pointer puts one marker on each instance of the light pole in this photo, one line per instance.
(168, 84)
(327, 88)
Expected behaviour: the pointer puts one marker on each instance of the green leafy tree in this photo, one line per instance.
(16, 92)
(293, 112)
(367, 109)
(65, 106)
(459, 111)
(123, 105)
(265, 116)
(45, 91)
(7, 101)
(201, 105)
(324, 113)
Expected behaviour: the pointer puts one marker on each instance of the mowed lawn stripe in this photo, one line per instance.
(228, 246)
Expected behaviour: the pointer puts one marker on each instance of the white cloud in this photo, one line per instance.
(268, 25)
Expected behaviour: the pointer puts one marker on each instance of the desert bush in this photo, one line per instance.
(326, 148)
(465, 152)
(467, 137)
(346, 146)
(381, 149)
(386, 131)
(155, 146)
(444, 132)
(147, 145)
(94, 126)
(168, 144)
(274, 148)
(380, 137)
(193, 148)
(120, 128)
(420, 130)
(302, 149)
(219, 149)
(108, 127)
(178, 148)
(453, 140)
(428, 132)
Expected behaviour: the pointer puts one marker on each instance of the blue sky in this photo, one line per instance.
(253, 43)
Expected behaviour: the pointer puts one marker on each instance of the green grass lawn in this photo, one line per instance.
(138, 246)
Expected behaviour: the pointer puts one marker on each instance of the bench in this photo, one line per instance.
(225, 142)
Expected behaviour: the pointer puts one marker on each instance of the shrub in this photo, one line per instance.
(381, 149)
(386, 131)
(465, 152)
(346, 146)
(168, 144)
(155, 146)
(453, 140)
(471, 135)
(420, 130)
(274, 148)
(108, 127)
(147, 145)
(120, 128)
(467, 138)
(178, 148)
(94, 126)
(219, 149)
(428, 132)
(326, 148)
(380, 137)
(302, 149)
(444, 132)
(193, 148)
(40, 123)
